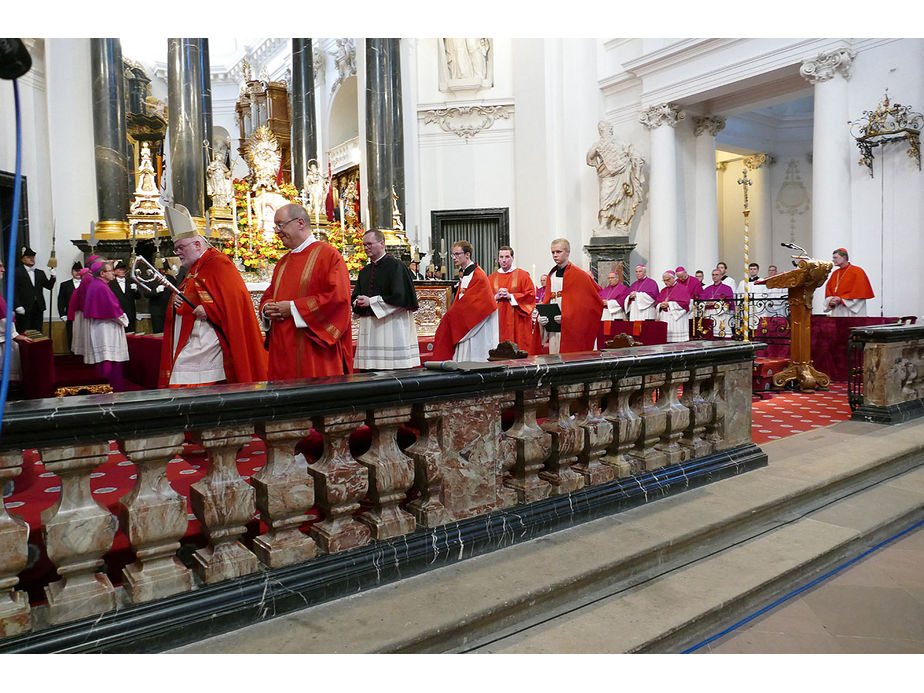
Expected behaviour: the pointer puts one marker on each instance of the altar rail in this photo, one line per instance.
(489, 457)
(768, 318)
(886, 381)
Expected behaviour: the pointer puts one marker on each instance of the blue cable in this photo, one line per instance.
(801, 589)
(14, 233)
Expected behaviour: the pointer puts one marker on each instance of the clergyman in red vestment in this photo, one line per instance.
(847, 289)
(515, 294)
(307, 305)
(468, 330)
(578, 296)
(219, 340)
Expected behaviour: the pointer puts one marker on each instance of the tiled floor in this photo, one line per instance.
(874, 606)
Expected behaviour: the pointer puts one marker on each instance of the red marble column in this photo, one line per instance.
(426, 452)
(391, 474)
(155, 520)
(78, 531)
(284, 495)
(597, 432)
(533, 446)
(340, 484)
(567, 440)
(224, 504)
(15, 614)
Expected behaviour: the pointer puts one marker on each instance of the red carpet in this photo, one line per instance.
(787, 412)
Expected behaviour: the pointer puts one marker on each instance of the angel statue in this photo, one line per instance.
(619, 168)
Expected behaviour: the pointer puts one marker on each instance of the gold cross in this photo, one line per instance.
(745, 182)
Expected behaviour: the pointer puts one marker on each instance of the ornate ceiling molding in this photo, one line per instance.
(662, 114)
(466, 121)
(824, 66)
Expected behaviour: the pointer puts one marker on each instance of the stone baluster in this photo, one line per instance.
(340, 483)
(598, 435)
(654, 423)
(678, 418)
(533, 446)
(15, 616)
(700, 413)
(627, 423)
(567, 440)
(155, 520)
(715, 429)
(427, 508)
(224, 504)
(391, 474)
(507, 458)
(78, 531)
(284, 495)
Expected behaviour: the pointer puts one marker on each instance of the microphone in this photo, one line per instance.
(441, 365)
(15, 60)
(788, 245)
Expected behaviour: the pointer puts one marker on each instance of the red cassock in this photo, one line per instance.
(581, 308)
(848, 283)
(515, 321)
(318, 282)
(469, 307)
(216, 284)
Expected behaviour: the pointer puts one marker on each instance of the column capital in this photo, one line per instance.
(711, 124)
(755, 161)
(662, 114)
(822, 67)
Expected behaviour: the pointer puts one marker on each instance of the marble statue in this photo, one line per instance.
(619, 168)
(316, 186)
(263, 157)
(467, 58)
(218, 182)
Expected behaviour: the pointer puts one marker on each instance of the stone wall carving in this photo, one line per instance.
(824, 66)
(466, 121)
(662, 114)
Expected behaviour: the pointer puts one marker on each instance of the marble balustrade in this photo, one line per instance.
(508, 434)
(888, 385)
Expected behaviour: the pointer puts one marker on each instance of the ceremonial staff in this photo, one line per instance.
(743, 181)
(52, 264)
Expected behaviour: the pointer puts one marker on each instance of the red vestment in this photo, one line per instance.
(215, 283)
(848, 283)
(581, 308)
(317, 281)
(515, 321)
(469, 307)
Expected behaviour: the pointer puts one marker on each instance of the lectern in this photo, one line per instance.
(801, 283)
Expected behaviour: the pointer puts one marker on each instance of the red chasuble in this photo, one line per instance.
(318, 282)
(215, 283)
(469, 307)
(848, 283)
(581, 308)
(515, 321)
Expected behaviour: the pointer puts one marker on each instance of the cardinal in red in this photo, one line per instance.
(515, 294)
(218, 339)
(469, 329)
(847, 289)
(307, 305)
(578, 296)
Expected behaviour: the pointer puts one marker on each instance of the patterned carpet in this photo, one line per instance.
(786, 413)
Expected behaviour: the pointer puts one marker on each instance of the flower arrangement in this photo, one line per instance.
(349, 244)
(255, 251)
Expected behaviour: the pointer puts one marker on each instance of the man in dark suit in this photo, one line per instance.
(126, 291)
(65, 291)
(28, 292)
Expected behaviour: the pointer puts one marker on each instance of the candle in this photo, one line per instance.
(248, 210)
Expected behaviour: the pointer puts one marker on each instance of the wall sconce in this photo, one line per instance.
(888, 123)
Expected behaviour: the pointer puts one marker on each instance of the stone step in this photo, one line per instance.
(466, 605)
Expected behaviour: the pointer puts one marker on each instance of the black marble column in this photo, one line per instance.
(184, 115)
(109, 134)
(206, 108)
(379, 129)
(397, 141)
(304, 130)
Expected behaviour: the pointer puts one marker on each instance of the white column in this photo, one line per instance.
(662, 199)
(832, 153)
(761, 231)
(70, 132)
(705, 253)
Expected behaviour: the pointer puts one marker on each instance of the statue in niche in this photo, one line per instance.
(316, 186)
(218, 181)
(466, 63)
(619, 168)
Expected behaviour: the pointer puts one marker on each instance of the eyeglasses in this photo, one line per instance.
(278, 227)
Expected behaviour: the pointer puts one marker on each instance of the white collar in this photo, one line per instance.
(308, 241)
(502, 271)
